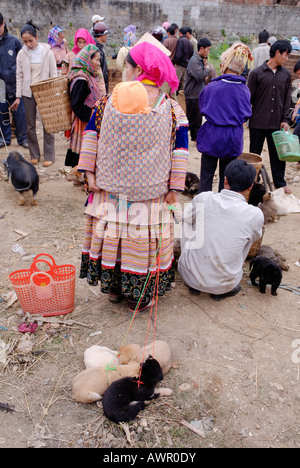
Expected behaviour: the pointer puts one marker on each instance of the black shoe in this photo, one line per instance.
(196, 292)
(25, 145)
(220, 297)
(115, 298)
(3, 144)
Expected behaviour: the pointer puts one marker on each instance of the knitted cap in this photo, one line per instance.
(130, 97)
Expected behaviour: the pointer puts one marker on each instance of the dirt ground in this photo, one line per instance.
(233, 361)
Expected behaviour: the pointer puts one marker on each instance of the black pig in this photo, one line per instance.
(23, 175)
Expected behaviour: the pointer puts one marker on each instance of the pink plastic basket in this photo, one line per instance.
(48, 291)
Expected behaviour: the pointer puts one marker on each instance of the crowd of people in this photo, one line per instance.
(131, 144)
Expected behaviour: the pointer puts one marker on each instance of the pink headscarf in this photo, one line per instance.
(155, 64)
(82, 34)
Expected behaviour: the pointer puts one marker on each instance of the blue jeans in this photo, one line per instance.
(19, 119)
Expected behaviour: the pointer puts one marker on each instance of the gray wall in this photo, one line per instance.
(207, 17)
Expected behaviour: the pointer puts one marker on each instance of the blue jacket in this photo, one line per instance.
(225, 103)
(9, 48)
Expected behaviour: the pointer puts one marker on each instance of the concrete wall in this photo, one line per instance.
(207, 17)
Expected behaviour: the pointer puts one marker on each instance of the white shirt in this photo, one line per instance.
(217, 233)
(36, 54)
(261, 53)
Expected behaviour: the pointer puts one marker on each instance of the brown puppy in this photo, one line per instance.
(130, 353)
(161, 352)
(266, 251)
(89, 385)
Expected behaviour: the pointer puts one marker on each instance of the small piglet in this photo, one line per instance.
(23, 175)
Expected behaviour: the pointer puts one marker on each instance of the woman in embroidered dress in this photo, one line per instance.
(82, 38)
(58, 44)
(86, 88)
(134, 165)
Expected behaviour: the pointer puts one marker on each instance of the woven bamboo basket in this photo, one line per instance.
(54, 104)
(254, 159)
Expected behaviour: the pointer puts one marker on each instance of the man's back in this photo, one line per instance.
(261, 53)
(228, 226)
(170, 43)
(184, 51)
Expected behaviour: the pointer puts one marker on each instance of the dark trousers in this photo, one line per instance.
(19, 119)
(257, 138)
(297, 131)
(208, 169)
(194, 116)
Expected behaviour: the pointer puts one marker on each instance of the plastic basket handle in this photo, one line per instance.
(49, 258)
(42, 292)
(34, 269)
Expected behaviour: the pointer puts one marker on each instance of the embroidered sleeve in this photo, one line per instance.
(180, 151)
(88, 153)
(89, 147)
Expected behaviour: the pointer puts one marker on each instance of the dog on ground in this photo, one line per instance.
(125, 398)
(89, 385)
(159, 349)
(268, 272)
(266, 251)
(265, 201)
(23, 175)
(96, 356)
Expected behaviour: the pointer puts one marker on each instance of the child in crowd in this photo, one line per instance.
(58, 44)
(82, 38)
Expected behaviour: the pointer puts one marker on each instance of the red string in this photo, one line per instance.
(155, 295)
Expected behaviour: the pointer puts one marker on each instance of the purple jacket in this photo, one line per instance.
(225, 103)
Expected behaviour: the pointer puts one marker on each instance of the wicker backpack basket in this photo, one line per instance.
(54, 104)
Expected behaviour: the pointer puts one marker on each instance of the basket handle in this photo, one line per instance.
(42, 291)
(49, 258)
(34, 269)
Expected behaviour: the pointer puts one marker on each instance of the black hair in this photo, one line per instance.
(240, 175)
(204, 42)
(297, 66)
(189, 30)
(171, 30)
(282, 46)
(158, 35)
(1, 23)
(182, 31)
(175, 26)
(30, 28)
(96, 52)
(263, 36)
(130, 60)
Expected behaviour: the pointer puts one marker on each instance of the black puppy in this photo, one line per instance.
(124, 398)
(191, 184)
(257, 194)
(23, 175)
(268, 272)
